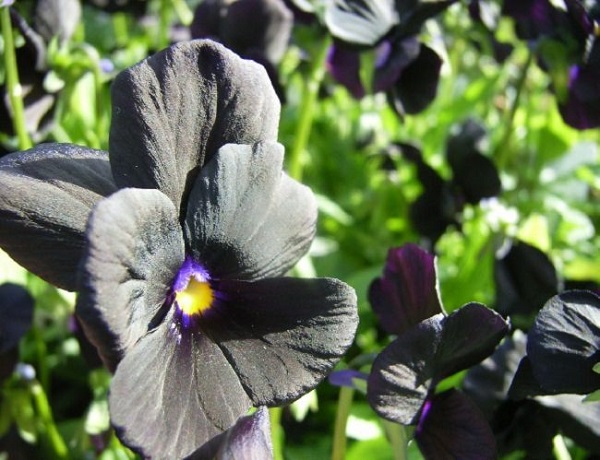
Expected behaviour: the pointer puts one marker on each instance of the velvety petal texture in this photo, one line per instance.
(16, 311)
(246, 218)
(134, 250)
(564, 343)
(46, 197)
(408, 292)
(174, 110)
(283, 335)
(171, 394)
(453, 427)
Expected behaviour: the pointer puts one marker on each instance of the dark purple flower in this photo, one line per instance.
(407, 70)
(430, 347)
(178, 240)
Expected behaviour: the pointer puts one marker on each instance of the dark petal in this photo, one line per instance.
(402, 373)
(463, 142)
(246, 219)
(487, 383)
(272, 23)
(56, 18)
(451, 426)
(16, 311)
(207, 19)
(577, 419)
(533, 18)
(581, 109)
(173, 393)
(564, 343)
(524, 383)
(360, 22)
(417, 86)
(525, 279)
(283, 335)
(478, 178)
(174, 110)
(344, 66)
(470, 334)
(248, 439)
(134, 250)
(408, 291)
(46, 196)
(414, 13)
(399, 56)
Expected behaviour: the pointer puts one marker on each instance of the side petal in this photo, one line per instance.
(248, 439)
(470, 334)
(453, 427)
(171, 394)
(16, 311)
(283, 335)
(564, 343)
(344, 66)
(175, 109)
(408, 291)
(46, 197)
(134, 250)
(402, 373)
(247, 219)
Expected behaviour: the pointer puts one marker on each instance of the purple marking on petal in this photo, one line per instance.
(188, 269)
(424, 413)
(346, 377)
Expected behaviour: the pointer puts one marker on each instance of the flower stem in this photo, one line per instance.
(398, 437)
(560, 449)
(503, 147)
(55, 440)
(183, 12)
(15, 90)
(341, 419)
(310, 91)
(276, 432)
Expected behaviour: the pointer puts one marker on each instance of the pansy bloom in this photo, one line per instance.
(430, 347)
(406, 70)
(180, 271)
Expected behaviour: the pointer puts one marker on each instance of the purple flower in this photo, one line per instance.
(430, 347)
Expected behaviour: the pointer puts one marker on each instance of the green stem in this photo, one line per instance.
(560, 449)
(121, 29)
(183, 12)
(503, 147)
(310, 92)
(341, 419)
(15, 90)
(398, 436)
(276, 432)
(55, 440)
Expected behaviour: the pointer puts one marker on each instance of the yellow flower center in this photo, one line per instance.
(195, 298)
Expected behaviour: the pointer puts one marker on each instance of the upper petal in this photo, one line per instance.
(175, 109)
(46, 197)
(247, 219)
(283, 335)
(408, 291)
(134, 250)
(172, 394)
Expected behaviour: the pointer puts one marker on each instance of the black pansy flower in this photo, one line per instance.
(265, 42)
(50, 19)
(430, 347)
(528, 425)
(16, 311)
(180, 272)
(406, 69)
(474, 177)
(565, 41)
